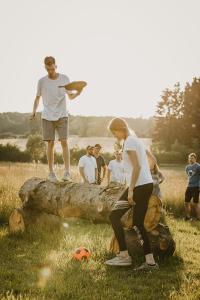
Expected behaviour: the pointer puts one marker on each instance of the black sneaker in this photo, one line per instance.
(188, 219)
(146, 267)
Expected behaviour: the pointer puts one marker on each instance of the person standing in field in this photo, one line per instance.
(116, 169)
(88, 167)
(138, 193)
(101, 165)
(192, 191)
(158, 178)
(54, 115)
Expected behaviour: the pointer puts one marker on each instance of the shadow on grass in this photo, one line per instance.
(23, 256)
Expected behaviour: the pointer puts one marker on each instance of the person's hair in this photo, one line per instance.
(89, 147)
(119, 124)
(193, 155)
(49, 60)
(98, 146)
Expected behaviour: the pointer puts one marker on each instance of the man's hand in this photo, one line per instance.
(72, 95)
(130, 197)
(32, 117)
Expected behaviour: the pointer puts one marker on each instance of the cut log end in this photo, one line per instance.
(16, 221)
(161, 241)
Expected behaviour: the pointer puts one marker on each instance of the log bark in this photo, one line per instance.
(45, 203)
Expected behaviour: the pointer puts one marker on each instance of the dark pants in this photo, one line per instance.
(141, 196)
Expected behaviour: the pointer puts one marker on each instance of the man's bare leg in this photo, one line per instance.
(50, 158)
(187, 210)
(66, 158)
(50, 155)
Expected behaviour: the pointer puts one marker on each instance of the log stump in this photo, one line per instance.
(45, 204)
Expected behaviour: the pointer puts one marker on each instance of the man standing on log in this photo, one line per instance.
(54, 115)
(88, 166)
(192, 191)
(100, 163)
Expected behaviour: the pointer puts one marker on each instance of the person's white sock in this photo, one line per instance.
(124, 253)
(150, 259)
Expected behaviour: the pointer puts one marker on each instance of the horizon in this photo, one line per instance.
(79, 115)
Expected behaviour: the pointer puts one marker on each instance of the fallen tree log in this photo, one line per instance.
(45, 203)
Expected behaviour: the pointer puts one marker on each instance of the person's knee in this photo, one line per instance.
(64, 143)
(50, 144)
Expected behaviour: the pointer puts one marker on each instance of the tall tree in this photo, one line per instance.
(169, 117)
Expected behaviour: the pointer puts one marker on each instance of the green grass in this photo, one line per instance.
(26, 258)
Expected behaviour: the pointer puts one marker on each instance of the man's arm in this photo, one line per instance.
(72, 95)
(104, 171)
(81, 170)
(96, 174)
(35, 106)
(108, 176)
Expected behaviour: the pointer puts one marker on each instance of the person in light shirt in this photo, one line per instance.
(88, 167)
(116, 169)
(138, 192)
(54, 115)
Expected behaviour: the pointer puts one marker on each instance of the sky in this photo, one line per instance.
(128, 51)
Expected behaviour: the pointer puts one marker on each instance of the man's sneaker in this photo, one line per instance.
(119, 260)
(188, 219)
(66, 176)
(147, 267)
(52, 177)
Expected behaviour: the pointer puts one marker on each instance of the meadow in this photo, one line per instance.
(39, 265)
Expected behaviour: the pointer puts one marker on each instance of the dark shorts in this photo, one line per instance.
(192, 193)
(49, 128)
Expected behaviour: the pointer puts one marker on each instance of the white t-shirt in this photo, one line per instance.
(133, 143)
(88, 163)
(117, 171)
(53, 97)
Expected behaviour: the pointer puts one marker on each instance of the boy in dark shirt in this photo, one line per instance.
(100, 163)
(192, 191)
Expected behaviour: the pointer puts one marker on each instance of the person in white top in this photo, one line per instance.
(54, 115)
(116, 169)
(88, 167)
(138, 193)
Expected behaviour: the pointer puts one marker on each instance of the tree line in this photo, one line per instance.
(14, 124)
(177, 122)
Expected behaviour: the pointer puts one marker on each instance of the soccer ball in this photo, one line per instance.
(81, 253)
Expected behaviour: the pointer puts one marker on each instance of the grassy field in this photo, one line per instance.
(38, 265)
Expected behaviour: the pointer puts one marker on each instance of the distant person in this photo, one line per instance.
(158, 178)
(192, 191)
(88, 166)
(54, 115)
(116, 169)
(101, 165)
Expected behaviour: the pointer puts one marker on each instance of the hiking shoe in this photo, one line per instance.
(66, 176)
(52, 177)
(147, 267)
(119, 260)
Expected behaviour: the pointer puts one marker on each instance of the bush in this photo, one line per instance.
(12, 153)
(35, 146)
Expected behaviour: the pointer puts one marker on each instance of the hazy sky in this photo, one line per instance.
(128, 51)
